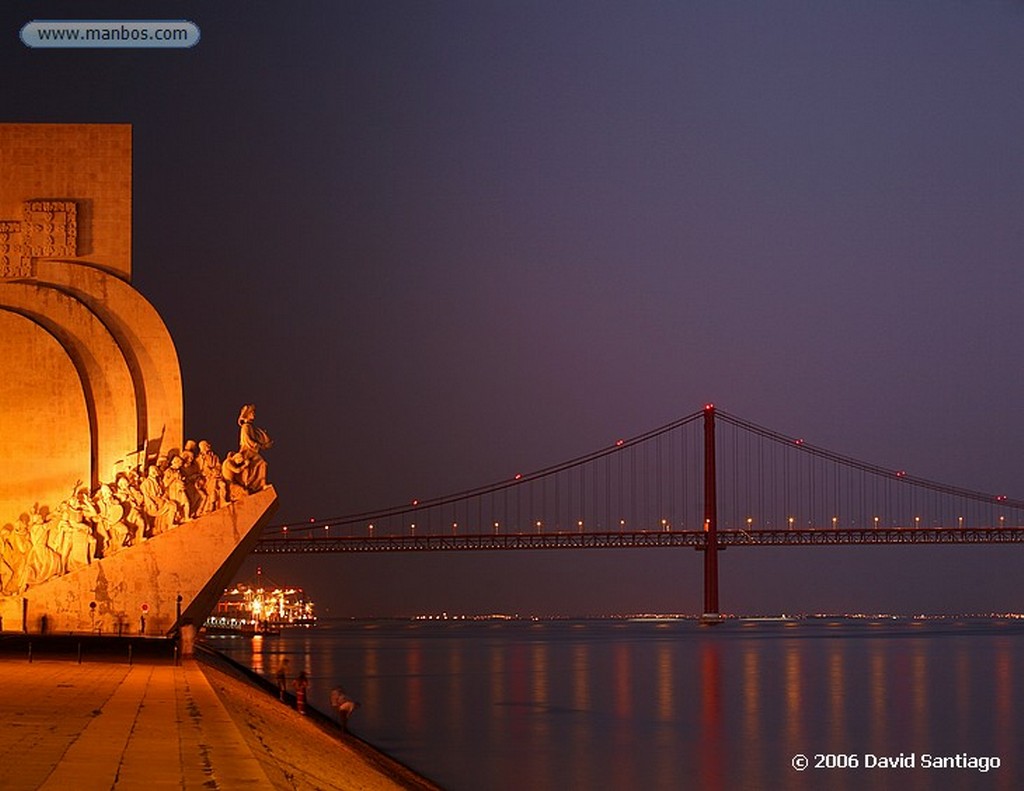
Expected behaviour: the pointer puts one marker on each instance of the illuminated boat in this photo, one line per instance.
(261, 607)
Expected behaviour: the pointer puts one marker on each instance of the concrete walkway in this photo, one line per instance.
(104, 724)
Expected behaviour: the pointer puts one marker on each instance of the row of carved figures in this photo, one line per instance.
(45, 543)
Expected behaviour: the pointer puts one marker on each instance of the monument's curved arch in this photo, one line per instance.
(114, 351)
(143, 338)
(102, 370)
(45, 441)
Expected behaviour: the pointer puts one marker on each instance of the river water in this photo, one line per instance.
(599, 704)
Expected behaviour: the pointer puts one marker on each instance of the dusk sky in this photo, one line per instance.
(438, 243)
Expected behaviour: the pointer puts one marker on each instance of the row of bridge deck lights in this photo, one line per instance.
(665, 525)
(835, 522)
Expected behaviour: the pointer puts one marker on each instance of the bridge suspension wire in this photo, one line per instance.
(805, 486)
(619, 487)
(769, 485)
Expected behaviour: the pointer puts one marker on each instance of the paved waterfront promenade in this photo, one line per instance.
(153, 724)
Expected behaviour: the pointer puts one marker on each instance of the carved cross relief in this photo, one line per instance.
(47, 229)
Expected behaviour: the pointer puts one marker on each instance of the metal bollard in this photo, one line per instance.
(79, 653)
(129, 654)
(30, 653)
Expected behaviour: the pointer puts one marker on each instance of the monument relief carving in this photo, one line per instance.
(48, 229)
(44, 544)
(11, 264)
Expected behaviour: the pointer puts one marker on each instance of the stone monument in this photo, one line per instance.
(90, 396)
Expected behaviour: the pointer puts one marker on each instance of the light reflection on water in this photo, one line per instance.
(596, 704)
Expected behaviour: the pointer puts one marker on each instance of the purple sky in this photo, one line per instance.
(438, 243)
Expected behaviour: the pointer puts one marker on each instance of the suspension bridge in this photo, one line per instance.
(710, 480)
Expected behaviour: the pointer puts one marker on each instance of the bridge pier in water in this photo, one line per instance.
(710, 613)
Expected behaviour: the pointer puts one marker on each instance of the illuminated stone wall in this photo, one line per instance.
(89, 377)
(87, 164)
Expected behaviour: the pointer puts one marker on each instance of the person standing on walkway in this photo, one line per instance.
(282, 677)
(344, 705)
(301, 685)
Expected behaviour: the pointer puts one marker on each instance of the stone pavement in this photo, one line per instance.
(106, 724)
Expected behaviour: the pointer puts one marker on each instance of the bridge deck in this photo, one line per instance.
(297, 543)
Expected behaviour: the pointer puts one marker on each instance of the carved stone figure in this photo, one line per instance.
(5, 569)
(234, 471)
(210, 483)
(83, 546)
(110, 525)
(133, 503)
(79, 541)
(61, 534)
(174, 489)
(43, 560)
(191, 475)
(16, 546)
(251, 441)
(159, 510)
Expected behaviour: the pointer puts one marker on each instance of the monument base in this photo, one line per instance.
(171, 579)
